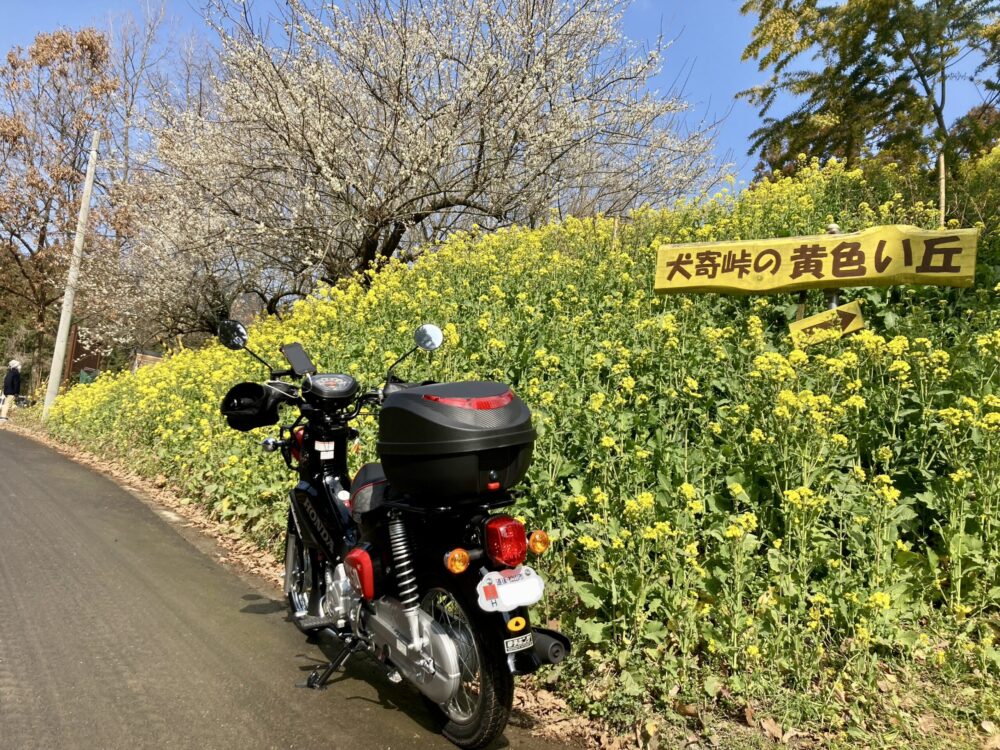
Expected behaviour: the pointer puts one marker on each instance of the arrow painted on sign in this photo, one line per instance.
(844, 319)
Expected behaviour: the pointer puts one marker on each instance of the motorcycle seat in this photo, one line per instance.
(368, 490)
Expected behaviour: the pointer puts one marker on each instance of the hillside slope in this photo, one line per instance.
(737, 520)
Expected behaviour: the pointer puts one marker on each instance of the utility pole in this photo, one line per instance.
(59, 354)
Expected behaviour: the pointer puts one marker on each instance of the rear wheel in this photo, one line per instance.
(478, 712)
(301, 579)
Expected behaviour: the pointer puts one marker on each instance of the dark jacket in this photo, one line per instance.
(12, 383)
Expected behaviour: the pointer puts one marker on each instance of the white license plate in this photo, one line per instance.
(505, 590)
(520, 643)
(326, 449)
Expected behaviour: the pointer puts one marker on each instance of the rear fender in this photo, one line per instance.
(500, 627)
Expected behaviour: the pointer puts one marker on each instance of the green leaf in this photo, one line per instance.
(630, 684)
(654, 631)
(712, 686)
(594, 631)
(590, 595)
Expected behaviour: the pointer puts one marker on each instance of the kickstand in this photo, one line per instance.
(318, 677)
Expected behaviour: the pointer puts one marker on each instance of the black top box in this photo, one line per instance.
(454, 441)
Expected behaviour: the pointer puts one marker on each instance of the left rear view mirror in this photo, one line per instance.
(233, 335)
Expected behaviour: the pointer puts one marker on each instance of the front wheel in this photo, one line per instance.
(478, 712)
(301, 579)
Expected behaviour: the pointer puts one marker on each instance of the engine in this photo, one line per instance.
(431, 663)
(340, 598)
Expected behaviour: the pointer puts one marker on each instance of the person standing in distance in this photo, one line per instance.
(11, 388)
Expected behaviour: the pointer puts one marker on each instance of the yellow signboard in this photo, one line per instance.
(844, 319)
(880, 256)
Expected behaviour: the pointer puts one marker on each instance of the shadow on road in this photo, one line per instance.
(262, 605)
(398, 697)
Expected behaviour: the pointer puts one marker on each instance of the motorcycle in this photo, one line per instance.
(412, 561)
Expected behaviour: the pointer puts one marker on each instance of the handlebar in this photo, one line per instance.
(270, 445)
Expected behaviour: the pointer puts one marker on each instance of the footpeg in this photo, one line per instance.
(316, 623)
(394, 676)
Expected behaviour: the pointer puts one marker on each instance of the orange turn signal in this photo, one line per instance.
(538, 542)
(457, 561)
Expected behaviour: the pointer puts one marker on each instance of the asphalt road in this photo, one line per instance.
(118, 629)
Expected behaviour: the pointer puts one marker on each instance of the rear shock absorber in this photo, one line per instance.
(406, 579)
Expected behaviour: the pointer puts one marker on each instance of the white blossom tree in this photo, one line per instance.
(327, 139)
(338, 134)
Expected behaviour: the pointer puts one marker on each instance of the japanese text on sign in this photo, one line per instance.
(880, 256)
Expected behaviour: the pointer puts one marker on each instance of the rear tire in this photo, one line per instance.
(479, 711)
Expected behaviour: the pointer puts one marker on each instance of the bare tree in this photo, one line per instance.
(52, 96)
(143, 287)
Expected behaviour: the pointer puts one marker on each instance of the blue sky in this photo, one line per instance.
(707, 39)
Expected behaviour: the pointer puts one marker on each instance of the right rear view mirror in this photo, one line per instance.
(429, 337)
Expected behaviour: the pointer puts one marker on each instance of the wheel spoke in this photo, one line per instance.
(298, 573)
(444, 608)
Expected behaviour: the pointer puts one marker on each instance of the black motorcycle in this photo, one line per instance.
(408, 561)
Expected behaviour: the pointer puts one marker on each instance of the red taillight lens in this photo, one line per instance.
(506, 542)
(297, 437)
(483, 403)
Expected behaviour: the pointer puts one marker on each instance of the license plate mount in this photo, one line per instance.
(506, 590)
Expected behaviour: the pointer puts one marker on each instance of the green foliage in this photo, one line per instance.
(735, 518)
(877, 80)
(978, 191)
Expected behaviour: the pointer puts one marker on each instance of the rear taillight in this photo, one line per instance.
(506, 543)
(297, 437)
(481, 403)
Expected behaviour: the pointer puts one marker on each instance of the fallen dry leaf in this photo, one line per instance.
(748, 715)
(989, 727)
(686, 709)
(926, 723)
(993, 743)
(772, 728)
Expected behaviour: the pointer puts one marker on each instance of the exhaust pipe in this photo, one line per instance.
(551, 646)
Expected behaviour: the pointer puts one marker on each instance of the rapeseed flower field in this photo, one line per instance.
(738, 519)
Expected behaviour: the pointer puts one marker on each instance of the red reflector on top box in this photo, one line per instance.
(482, 403)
